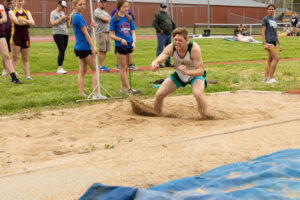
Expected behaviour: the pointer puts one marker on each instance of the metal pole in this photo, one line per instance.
(172, 9)
(292, 5)
(208, 15)
(167, 3)
(284, 5)
(44, 16)
(97, 68)
(132, 7)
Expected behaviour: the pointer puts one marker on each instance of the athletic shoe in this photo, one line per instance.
(272, 80)
(29, 78)
(133, 91)
(83, 95)
(121, 91)
(132, 67)
(102, 68)
(61, 71)
(96, 96)
(4, 72)
(117, 67)
(16, 81)
(265, 80)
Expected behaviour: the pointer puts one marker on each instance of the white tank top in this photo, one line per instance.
(185, 60)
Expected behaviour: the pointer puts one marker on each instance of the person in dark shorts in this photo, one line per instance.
(7, 30)
(270, 40)
(21, 20)
(122, 30)
(84, 48)
(4, 49)
(58, 21)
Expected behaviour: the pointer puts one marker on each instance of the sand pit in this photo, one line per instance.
(59, 154)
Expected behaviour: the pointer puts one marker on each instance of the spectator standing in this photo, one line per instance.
(122, 30)
(131, 65)
(21, 20)
(58, 21)
(84, 48)
(294, 23)
(4, 48)
(164, 26)
(270, 40)
(7, 30)
(102, 19)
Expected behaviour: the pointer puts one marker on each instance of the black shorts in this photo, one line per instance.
(1, 36)
(122, 51)
(274, 43)
(83, 53)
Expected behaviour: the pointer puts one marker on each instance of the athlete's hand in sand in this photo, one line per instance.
(154, 66)
(182, 68)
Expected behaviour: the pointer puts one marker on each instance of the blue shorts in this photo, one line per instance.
(179, 83)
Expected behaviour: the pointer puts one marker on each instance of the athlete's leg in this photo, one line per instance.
(15, 50)
(5, 56)
(275, 60)
(198, 92)
(90, 60)
(268, 64)
(81, 72)
(122, 61)
(25, 61)
(167, 87)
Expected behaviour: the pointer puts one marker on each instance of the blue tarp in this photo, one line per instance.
(275, 176)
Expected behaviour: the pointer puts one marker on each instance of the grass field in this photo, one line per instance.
(51, 92)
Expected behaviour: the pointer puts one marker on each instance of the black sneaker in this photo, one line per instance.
(16, 81)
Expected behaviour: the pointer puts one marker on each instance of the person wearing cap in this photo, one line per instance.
(102, 19)
(21, 21)
(58, 21)
(164, 26)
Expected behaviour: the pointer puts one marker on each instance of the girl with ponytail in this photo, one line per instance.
(122, 30)
(84, 48)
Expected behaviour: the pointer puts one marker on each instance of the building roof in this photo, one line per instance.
(242, 3)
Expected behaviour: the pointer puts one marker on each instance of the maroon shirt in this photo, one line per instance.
(18, 31)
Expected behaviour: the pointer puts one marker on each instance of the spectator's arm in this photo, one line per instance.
(155, 23)
(53, 23)
(3, 17)
(88, 38)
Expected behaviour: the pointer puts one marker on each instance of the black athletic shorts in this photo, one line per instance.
(122, 51)
(83, 53)
(274, 43)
